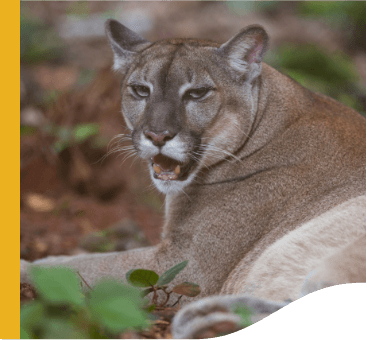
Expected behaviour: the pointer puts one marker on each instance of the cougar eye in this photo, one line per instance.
(196, 93)
(140, 90)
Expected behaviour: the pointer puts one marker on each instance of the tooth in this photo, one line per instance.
(157, 169)
(177, 170)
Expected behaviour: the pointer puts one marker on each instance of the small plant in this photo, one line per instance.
(144, 278)
(62, 311)
(66, 136)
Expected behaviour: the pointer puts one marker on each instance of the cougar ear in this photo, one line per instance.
(246, 50)
(124, 43)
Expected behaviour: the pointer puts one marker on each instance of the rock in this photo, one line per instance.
(123, 235)
(31, 116)
(97, 242)
(128, 244)
(124, 228)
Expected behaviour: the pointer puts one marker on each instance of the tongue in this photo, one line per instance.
(165, 163)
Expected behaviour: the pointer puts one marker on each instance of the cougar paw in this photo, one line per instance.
(218, 328)
(215, 315)
(204, 320)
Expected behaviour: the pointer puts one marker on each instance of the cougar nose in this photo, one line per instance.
(159, 139)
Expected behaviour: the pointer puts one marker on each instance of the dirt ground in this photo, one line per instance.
(73, 193)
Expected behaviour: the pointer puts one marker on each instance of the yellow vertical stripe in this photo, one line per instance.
(10, 168)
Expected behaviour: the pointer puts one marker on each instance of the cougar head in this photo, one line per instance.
(189, 103)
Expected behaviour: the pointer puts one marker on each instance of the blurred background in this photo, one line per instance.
(73, 199)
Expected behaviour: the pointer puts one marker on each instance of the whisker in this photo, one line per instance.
(115, 145)
(215, 148)
(185, 194)
(135, 158)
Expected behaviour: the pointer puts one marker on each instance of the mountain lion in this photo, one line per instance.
(264, 179)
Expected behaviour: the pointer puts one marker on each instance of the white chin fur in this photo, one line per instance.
(171, 187)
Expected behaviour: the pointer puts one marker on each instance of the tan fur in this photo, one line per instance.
(344, 266)
(279, 273)
(278, 208)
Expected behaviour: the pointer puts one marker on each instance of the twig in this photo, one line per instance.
(178, 300)
(168, 295)
(84, 280)
(154, 295)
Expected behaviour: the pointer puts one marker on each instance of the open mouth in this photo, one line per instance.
(168, 169)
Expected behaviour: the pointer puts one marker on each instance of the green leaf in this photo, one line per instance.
(117, 306)
(145, 292)
(171, 273)
(84, 131)
(151, 308)
(24, 334)
(128, 275)
(60, 145)
(63, 136)
(57, 285)
(187, 289)
(31, 316)
(63, 133)
(142, 277)
(61, 328)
